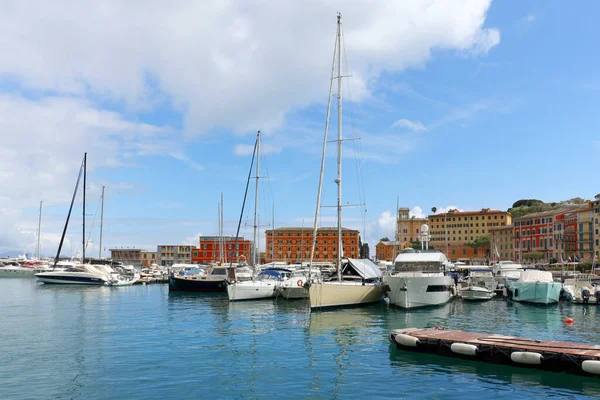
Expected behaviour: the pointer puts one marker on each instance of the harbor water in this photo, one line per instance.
(72, 342)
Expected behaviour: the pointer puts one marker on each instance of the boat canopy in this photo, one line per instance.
(535, 275)
(417, 261)
(365, 268)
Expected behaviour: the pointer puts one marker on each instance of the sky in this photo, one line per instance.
(464, 105)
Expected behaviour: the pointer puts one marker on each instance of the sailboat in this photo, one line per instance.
(265, 284)
(365, 284)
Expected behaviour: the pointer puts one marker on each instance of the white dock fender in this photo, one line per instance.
(591, 366)
(464, 349)
(526, 357)
(407, 340)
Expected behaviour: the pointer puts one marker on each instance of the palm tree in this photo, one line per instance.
(433, 210)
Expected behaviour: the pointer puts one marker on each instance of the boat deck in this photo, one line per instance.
(542, 354)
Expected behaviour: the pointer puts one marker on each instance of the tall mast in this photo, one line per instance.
(84, 177)
(273, 233)
(323, 153)
(254, 254)
(339, 151)
(101, 223)
(39, 232)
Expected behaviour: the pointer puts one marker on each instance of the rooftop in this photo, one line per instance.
(309, 229)
(461, 213)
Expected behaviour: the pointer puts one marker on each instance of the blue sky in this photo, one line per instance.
(471, 106)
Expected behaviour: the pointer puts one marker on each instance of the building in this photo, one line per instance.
(388, 250)
(570, 234)
(293, 245)
(149, 258)
(469, 255)
(174, 254)
(559, 237)
(535, 233)
(457, 228)
(585, 232)
(596, 208)
(127, 256)
(408, 228)
(501, 243)
(209, 250)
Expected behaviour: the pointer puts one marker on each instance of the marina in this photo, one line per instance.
(146, 341)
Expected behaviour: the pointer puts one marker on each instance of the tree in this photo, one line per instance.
(480, 242)
(526, 202)
(364, 250)
(433, 210)
(533, 255)
(597, 197)
(383, 239)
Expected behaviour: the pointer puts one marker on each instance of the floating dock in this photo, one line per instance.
(572, 358)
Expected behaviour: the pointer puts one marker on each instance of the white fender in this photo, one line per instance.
(407, 340)
(591, 366)
(464, 349)
(526, 357)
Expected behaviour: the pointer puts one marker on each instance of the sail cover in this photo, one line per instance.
(365, 268)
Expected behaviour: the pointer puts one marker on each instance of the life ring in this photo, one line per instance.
(299, 283)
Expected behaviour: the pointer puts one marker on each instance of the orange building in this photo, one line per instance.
(388, 250)
(469, 255)
(208, 249)
(293, 245)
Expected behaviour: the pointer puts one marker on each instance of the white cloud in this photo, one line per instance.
(386, 224)
(236, 64)
(529, 18)
(193, 239)
(417, 212)
(414, 126)
(445, 209)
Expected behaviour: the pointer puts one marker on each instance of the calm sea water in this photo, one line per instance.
(60, 342)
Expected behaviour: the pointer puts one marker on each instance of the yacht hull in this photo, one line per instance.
(535, 292)
(339, 294)
(70, 279)
(197, 285)
(290, 292)
(419, 291)
(476, 293)
(251, 290)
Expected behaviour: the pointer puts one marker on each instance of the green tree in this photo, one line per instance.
(364, 250)
(533, 255)
(597, 197)
(433, 210)
(384, 239)
(480, 242)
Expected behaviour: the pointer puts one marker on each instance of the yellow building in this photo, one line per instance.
(585, 232)
(408, 228)
(455, 228)
(501, 241)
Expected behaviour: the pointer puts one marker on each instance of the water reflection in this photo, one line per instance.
(473, 375)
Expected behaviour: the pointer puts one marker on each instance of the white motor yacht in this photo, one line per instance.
(581, 290)
(418, 279)
(12, 269)
(81, 274)
(263, 286)
(480, 284)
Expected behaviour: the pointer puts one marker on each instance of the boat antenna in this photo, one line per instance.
(62, 238)
(83, 232)
(237, 233)
(323, 153)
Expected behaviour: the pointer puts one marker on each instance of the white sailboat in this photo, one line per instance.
(265, 284)
(366, 286)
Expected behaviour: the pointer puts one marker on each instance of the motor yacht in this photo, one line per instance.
(418, 279)
(534, 286)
